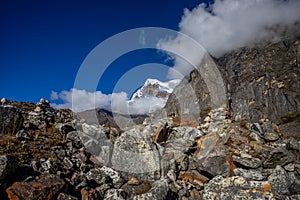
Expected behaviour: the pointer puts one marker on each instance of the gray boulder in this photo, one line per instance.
(136, 155)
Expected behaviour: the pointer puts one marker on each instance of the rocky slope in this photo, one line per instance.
(47, 154)
(247, 148)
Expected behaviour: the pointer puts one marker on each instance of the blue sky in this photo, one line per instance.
(43, 43)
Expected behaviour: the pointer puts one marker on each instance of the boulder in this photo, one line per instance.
(136, 155)
(63, 196)
(279, 156)
(11, 120)
(46, 187)
(280, 181)
(158, 191)
(212, 156)
(8, 165)
(235, 188)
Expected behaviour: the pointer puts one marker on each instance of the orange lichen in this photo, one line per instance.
(194, 180)
(232, 166)
(267, 187)
(185, 120)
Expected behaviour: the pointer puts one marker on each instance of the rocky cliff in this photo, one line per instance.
(260, 82)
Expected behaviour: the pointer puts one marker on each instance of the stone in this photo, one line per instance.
(115, 176)
(212, 156)
(172, 175)
(138, 188)
(133, 181)
(23, 135)
(135, 155)
(45, 187)
(8, 165)
(295, 182)
(68, 164)
(271, 136)
(11, 120)
(293, 144)
(3, 100)
(290, 167)
(249, 174)
(90, 194)
(65, 128)
(279, 156)
(194, 178)
(187, 133)
(160, 134)
(40, 121)
(43, 103)
(247, 162)
(158, 191)
(256, 137)
(98, 176)
(113, 194)
(207, 143)
(280, 181)
(37, 109)
(46, 165)
(178, 147)
(217, 162)
(63, 196)
(235, 188)
(74, 137)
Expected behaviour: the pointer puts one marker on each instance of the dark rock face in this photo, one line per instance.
(263, 81)
(8, 165)
(11, 120)
(260, 82)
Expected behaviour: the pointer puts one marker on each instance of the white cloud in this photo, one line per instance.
(80, 100)
(229, 25)
(54, 95)
(146, 105)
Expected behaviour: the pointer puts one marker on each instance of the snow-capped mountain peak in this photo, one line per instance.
(155, 88)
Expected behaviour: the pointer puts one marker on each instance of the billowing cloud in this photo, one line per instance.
(81, 100)
(230, 24)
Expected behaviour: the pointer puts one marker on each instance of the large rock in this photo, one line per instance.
(250, 174)
(11, 120)
(280, 181)
(46, 187)
(8, 165)
(96, 142)
(136, 155)
(212, 156)
(279, 156)
(236, 187)
(158, 191)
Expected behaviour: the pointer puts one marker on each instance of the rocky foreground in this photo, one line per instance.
(49, 154)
